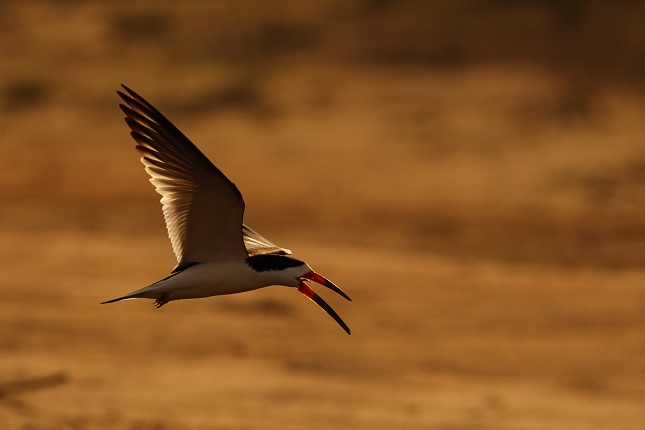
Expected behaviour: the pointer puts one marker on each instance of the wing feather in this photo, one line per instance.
(202, 208)
(256, 244)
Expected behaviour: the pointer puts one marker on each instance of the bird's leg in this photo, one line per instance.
(162, 300)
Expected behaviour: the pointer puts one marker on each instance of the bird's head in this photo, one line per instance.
(296, 273)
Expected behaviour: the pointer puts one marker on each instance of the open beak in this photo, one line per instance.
(311, 294)
(313, 276)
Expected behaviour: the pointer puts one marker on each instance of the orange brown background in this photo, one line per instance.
(472, 173)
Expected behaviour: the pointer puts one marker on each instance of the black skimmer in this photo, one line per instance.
(216, 253)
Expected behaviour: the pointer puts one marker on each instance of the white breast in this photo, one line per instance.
(214, 279)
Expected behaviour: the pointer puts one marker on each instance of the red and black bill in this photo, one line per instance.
(311, 294)
(319, 279)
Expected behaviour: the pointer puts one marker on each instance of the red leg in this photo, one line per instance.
(161, 301)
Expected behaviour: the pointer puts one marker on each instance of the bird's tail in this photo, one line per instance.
(132, 295)
(149, 292)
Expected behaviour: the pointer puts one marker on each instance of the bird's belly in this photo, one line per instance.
(206, 280)
(208, 290)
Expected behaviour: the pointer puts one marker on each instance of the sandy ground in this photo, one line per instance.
(488, 221)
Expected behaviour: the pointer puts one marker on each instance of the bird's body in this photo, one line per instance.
(216, 253)
(217, 279)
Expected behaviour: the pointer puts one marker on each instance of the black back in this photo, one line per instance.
(266, 262)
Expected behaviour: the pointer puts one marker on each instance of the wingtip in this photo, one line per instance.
(133, 94)
(126, 98)
(130, 94)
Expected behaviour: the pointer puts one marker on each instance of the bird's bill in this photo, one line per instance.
(311, 294)
(313, 276)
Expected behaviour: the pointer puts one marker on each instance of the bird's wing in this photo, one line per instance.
(256, 244)
(203, 209)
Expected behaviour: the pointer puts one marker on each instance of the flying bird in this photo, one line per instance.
(216, 253)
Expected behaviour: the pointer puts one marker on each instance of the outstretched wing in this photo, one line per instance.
(257, 244)
(203, 209)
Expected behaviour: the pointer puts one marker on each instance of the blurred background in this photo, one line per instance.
(471, 173)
